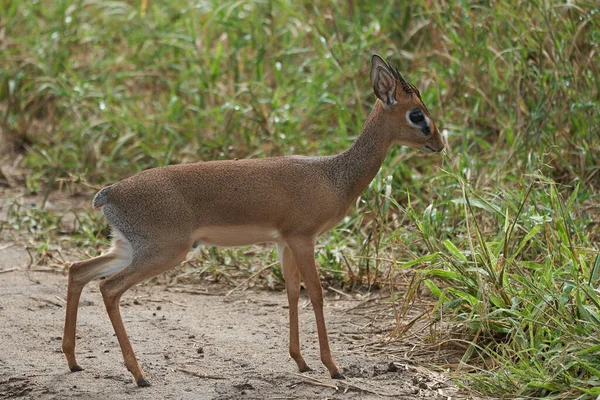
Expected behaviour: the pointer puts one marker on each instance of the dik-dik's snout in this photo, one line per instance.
(435, 144)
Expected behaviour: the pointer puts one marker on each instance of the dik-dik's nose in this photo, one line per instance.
(440, 146)
(438, 141)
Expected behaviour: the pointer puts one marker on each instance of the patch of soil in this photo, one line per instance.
(194, 342)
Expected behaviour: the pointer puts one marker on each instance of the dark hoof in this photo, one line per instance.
(76, 368)
(306, 368)
(338, 375)
(143, 383)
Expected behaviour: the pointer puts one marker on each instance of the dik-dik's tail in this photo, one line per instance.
(101, 198)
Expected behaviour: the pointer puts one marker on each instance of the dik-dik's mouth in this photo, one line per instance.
(429, 149)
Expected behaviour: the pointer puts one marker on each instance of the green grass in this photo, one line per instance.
(504, 230)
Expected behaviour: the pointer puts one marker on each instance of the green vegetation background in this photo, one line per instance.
(503, 229)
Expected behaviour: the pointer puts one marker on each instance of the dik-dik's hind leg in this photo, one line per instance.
(80, 274)
(292, 287)
(143, 266)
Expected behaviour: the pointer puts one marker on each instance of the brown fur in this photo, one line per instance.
(159, 214)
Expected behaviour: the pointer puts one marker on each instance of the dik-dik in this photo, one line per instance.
(158, 215)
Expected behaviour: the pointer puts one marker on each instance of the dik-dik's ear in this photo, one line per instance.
(384, 84)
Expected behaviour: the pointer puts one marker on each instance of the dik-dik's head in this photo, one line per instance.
(408, 118)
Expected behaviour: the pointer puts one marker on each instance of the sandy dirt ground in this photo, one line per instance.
(194, 342)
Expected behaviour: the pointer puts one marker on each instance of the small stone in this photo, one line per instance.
(244, 386)
(392, 367)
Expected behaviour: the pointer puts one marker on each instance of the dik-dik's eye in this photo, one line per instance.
(416, 117)
(419, 120)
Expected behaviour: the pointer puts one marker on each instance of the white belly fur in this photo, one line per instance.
(229, 236)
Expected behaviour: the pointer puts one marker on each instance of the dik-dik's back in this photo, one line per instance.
(157, 215)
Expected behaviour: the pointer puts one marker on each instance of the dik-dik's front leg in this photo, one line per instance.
(292, 286)
(302, 251)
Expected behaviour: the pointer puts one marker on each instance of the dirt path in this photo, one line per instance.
(238, 342)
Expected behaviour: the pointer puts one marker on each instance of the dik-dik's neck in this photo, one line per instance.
(354, 169)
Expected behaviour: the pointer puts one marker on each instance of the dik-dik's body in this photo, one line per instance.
(158, 215)
(166, 199)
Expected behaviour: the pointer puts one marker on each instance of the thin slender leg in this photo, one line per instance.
(292, 285)
(80, 274)
(113, 288)
(303, 253)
